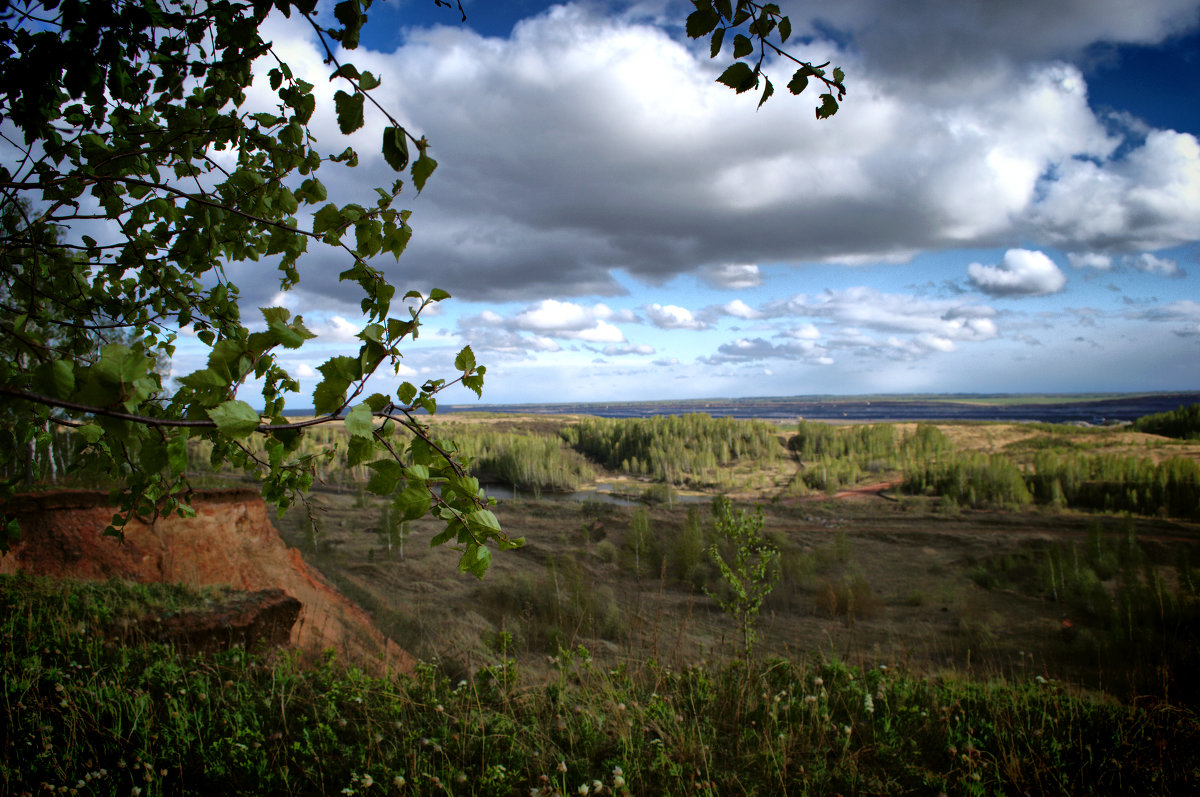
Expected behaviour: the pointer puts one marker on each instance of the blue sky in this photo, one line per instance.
(1008, 201)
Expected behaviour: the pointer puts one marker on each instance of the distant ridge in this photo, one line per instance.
(1049, 408)
(1095, 408)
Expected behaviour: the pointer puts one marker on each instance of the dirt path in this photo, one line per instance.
(864, 491)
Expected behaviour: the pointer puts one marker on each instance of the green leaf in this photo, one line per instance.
(838, 75)
(395, 148)
(739, 77)
(177, 454)
(475, 560)
(438, 295)
(701, 22)
(422, 169)
(377, 401)
(799, 81)
(475, 382)
(349, 111)
(484, 523)
(55, 378)
(742, 46)
(359, 421)
(828, 107)
(785, 30)
(768, 90)
(387, 474)
(90, 432)
(367, 81)
(406, 393)
(718, 39)
(465, 361)
(413, 502)
(234, 418)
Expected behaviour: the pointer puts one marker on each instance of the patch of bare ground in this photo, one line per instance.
(867, 580)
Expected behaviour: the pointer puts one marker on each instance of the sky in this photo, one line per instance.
(1007, 201)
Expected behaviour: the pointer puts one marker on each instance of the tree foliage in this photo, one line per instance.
(1182, 423)
(754, 26)
(139, 163)
(748, 566)
(140, 116)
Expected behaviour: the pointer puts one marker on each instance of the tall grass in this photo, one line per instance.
(86, 715)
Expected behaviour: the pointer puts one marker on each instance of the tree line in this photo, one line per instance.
(690, 449)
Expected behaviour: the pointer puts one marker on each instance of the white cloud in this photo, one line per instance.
(603, 332)
(732, 276)
(672, 316)
(1156, 265)
(551, 318)
(863, 307)
(581, 145)
(616, 351)
(804, 332)
(739, 309)
(1146, 201)
(336, 330)
(1020, 273)
(1092, 260)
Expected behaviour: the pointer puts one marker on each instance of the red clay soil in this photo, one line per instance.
(231, 542)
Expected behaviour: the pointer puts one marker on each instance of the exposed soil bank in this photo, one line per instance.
(230, 542)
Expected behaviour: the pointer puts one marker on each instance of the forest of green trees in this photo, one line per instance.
(675, 449)
(1182, 423)
(698, 451)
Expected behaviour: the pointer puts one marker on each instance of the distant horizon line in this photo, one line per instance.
(1078, 396)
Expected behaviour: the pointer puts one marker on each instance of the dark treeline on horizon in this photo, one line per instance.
(1043, 408)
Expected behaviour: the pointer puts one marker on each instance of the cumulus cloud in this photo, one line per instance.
(336, 330)
(673, 317)
(1183, 310)
(616, 351)
(866, 308)
(866, 323)
(608, 147)
(1092, 260)
(739, 309)
(545, 320)
(748, 349)
(803, 332)
(732, 276)
(1020, 273)
(1145, 201)
(1157, 265)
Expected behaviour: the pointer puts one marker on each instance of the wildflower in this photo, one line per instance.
(846, 729)
(367, 781)
(868, 703)
(618, 782)
(810, 698)
(819, 682)
(620, 707)
(398, 781)
(562, 767)
(583, 788)
(618, 772)
(597, 786)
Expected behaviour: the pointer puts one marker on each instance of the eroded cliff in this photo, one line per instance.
(229, 542)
